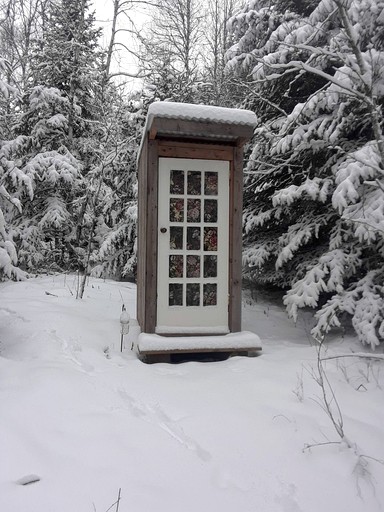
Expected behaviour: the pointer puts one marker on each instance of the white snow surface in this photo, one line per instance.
(79, 420)
(190, 112)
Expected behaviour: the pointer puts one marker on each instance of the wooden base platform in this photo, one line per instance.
(156, 348)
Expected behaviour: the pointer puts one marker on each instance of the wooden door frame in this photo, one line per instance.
(148, 229)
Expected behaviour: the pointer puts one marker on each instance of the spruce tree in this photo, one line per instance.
(12, 181)
(313, 216)
(67, 59)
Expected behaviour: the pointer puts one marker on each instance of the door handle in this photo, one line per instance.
(163, 230)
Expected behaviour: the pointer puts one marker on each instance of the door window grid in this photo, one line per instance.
(197, 238)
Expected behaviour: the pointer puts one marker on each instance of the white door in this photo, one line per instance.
(192, 282)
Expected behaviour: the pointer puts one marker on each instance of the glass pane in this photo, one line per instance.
(175, 237)
(211, 184)
(176, 210)
(210, 239)
(194, 183)
(193, 210)
(177, 182)
(210, 266)
(193, 294)
(193, 266)
(176, 265)
(210, 294)
(210, 210)
(193, 239)
(175, 294)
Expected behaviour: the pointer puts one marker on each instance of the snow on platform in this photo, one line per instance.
(189, 112)
(237, 341)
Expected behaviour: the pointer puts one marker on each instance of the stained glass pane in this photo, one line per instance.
(193, 239)
(193, 210)
(210, 210)
(176, 210)
(210, 239)
(193, 266)
(194, 183)
(211, 184)
(210, 294)
(175, 294)
(175, 237)
(177, 182)
(193, 294)
(210, 266)
(176, 265)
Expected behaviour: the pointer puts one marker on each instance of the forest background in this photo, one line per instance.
(311, 70)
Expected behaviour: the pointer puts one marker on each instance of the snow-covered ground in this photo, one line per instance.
(86, 420)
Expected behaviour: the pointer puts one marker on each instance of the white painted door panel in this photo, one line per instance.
(192, 283)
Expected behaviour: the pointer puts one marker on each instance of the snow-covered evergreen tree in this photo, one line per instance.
(110, 208)
(11, 181)
(49, 126)
(68, 152)
(42, 174)
(68, 57)
(314, 205)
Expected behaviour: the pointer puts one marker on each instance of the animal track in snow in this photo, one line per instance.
(69, 350)
(13, 315)
(156, 416)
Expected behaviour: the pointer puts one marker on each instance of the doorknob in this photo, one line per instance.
(163, 230)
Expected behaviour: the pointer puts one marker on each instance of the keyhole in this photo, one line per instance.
(163, 230)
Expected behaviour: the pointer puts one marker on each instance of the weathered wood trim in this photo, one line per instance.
(141, 234)
(201, 350)
(152, 131)
(195, 151)
(235, 240)
(151, 239)
(220, 146)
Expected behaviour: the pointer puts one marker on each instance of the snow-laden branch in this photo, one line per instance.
(139, 74)
(297, 64)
